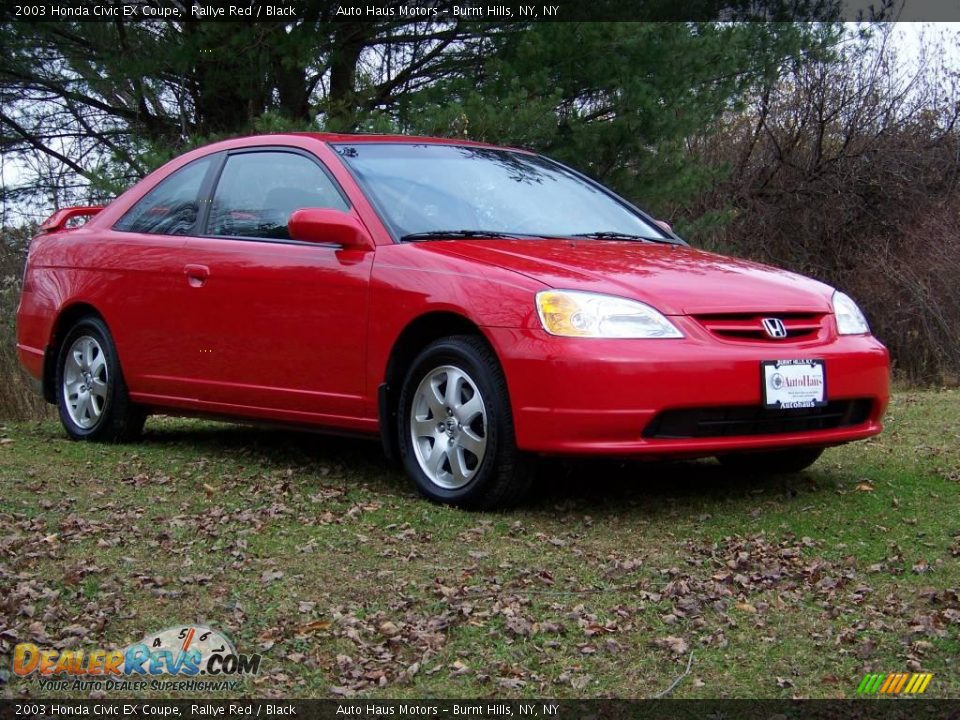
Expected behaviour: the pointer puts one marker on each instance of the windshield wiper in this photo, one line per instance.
(455, 235)
(613, 235)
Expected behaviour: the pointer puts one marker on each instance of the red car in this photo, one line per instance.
(474, 305)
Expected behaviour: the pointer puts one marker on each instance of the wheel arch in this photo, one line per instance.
(418, 333)
(66, 319)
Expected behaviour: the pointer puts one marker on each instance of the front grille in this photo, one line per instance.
(746, 420)
(749, 326)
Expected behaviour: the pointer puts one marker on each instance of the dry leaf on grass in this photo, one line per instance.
(678, 646)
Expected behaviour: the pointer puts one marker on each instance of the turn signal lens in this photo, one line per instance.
(850, 320)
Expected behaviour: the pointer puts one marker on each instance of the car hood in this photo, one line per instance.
(675, 279)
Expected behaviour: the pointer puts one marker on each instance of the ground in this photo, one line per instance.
(611, 581)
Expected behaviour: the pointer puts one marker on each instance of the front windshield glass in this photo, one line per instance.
(422, 188)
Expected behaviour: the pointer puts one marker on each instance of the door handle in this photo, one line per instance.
(196, 274)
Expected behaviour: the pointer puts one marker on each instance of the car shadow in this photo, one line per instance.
(270, 446)
(599, 485)
(585, 485)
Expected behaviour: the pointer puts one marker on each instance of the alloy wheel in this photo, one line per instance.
(85, 381)
(448, 427)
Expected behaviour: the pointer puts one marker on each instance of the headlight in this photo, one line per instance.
(569, 313)
(850, 321)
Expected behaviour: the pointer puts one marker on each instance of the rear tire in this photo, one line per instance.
(772, 462)
(455, 427)
(92, 398)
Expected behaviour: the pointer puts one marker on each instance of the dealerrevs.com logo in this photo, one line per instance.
(172, 659)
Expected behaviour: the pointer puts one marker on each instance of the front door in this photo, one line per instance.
(279, 326)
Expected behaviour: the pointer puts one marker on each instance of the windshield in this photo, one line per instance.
(421, 189)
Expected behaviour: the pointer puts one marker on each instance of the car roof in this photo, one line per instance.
(247, 141)
(388, 138)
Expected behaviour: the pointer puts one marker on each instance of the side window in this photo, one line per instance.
(171, 208)
(258, 191)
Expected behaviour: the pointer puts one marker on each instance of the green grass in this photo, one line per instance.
(601, 585)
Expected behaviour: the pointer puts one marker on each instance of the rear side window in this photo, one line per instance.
(172, 207)
(258, 191)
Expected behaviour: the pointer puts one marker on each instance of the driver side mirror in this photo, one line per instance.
(325, 225)
(664, 225)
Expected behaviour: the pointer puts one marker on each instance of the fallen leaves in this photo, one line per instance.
(314, 626)
(530, 603)
(389, 629)
(580, 682)
(677, 646)
(521, 626)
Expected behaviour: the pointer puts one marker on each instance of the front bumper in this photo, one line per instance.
(582, 396)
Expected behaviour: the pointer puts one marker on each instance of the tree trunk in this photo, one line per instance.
(349, 41)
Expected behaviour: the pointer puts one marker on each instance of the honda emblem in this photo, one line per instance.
(774, 327)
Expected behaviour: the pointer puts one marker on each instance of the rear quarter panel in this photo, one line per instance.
(125, 277)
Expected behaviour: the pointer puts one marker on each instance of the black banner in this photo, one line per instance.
(445, 11)
(864, 709)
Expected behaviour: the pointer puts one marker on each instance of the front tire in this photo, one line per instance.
(455, 427)
(772, 462)
(92, 398)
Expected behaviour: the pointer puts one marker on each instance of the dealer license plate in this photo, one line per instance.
(793, 384)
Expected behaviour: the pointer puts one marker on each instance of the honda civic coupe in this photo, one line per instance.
(474, 306)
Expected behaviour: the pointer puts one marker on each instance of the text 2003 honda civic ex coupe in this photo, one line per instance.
(474, 305)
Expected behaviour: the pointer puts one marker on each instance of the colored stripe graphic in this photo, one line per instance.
(870, 683)
(903, 681)
(894, 683)
(914, 683)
